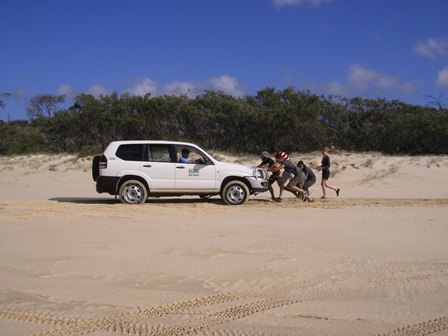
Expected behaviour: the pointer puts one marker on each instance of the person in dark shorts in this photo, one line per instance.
(310, 178)
(268, 163)
(325, 168)
(290, 170)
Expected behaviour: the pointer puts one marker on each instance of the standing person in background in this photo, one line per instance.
(325, 168)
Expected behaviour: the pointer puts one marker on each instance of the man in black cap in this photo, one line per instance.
(268, 163)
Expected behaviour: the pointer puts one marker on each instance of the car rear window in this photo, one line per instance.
(131, 152)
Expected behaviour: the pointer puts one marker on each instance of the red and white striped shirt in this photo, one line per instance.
(283, 154)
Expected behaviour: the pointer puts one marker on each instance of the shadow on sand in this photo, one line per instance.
(151, 200)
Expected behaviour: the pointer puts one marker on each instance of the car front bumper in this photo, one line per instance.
(258, 185)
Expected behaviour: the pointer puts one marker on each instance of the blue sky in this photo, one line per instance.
(393, 49)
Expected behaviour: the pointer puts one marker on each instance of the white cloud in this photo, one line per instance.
(223, 83)
(363, 79)
(432, 48)
(143, 88)
(20, 94)
(226, 84)
(180, 88)
(65, 89)
(409, 88)
(385, 82)
(97, 90)
(442, 77)
(291, 3)
(360, 77)
(334, 88)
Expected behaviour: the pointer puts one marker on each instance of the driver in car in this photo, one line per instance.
(184, 157)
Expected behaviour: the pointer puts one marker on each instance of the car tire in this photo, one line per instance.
(235, 193)
(133, 192)
(96, 167)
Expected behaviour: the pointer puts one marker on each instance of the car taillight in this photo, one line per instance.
(103, 162)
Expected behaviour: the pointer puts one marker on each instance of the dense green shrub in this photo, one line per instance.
(293, 120)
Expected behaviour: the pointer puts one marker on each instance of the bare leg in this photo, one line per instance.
(271, 190)
(299, 192)
(294, 189)
(282, 187)
(281, 183)
(329, 186)
(323, 184)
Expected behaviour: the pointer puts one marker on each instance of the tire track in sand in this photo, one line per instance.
(135, 322)
(420, 329)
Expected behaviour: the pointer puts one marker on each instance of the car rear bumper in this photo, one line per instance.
(107, 184)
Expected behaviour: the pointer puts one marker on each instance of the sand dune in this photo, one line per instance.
(372, 262)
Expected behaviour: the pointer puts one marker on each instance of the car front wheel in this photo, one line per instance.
(235, 193)
(133, 192)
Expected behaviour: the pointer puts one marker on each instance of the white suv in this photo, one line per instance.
(135, 170)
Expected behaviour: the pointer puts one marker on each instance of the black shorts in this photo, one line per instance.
(273, 178)
(325, 174)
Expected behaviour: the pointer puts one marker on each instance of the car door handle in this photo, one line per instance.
(147, 166)
(180, 167)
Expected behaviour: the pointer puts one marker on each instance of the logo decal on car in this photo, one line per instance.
(193, 172)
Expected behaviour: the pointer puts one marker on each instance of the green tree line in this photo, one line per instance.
(290, 119)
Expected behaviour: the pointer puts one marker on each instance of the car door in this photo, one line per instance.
(199, 175)
(158, 168)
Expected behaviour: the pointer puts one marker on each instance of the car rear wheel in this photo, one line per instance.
(96, 167)
(133, 192)
(235, 193)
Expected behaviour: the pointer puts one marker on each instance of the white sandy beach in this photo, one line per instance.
(373, 261)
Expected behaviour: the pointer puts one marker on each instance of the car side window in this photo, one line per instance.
(159, 153)
(194, 156)
(131, 152)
